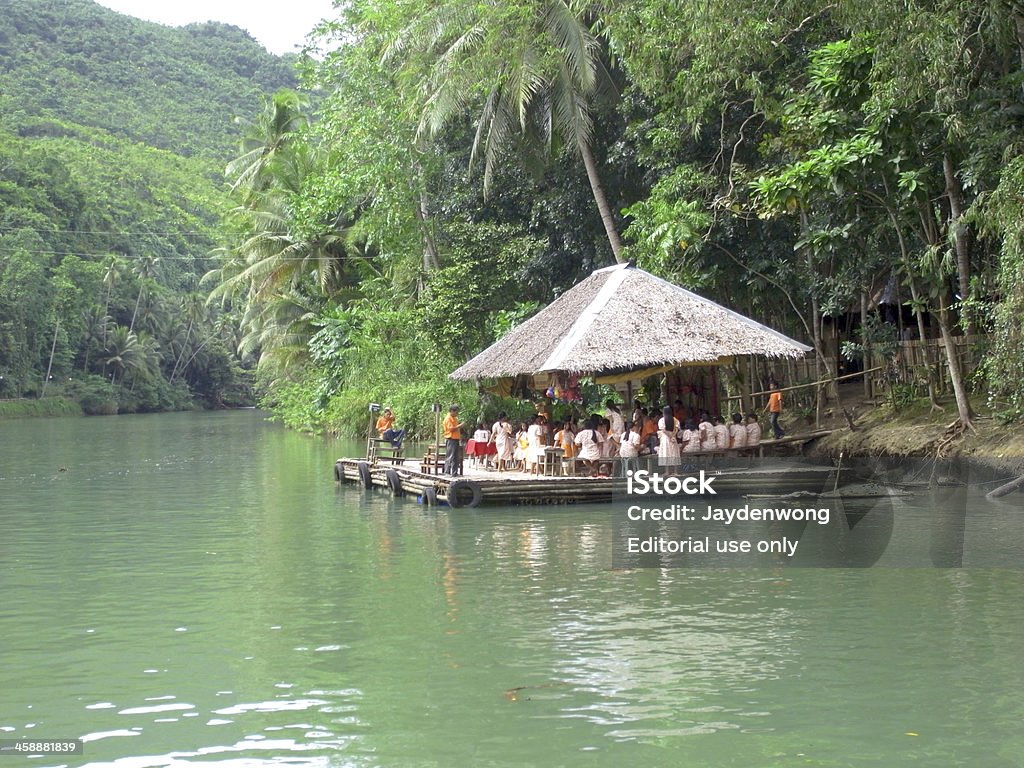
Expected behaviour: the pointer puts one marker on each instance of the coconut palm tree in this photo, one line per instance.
(114, 266)
(121, 352)
(540, 64)
(146, 270)
(264, 139)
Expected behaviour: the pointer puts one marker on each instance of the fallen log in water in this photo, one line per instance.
(1009, 487)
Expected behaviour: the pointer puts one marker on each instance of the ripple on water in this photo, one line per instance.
(283, 705)
(158, 708)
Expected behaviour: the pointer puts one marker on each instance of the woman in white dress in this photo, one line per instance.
(504, 443)
(589, 440)
(535, 436)
(668, 441)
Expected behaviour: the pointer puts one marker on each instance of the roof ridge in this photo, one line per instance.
(587, 317)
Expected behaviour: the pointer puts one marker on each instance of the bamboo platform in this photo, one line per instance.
(480, 486)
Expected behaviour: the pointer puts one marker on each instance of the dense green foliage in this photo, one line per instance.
(459, 165)
(468, 161)
(113, 137)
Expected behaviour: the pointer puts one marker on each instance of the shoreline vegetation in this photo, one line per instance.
(27, 408)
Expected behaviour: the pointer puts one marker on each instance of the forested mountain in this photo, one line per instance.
(114, 134)
(173, 88)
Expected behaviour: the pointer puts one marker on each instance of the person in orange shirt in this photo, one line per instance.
(649, 431)
(386, 428)
(453, 442)
(774, 408)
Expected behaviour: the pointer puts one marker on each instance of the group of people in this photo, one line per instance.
(602, 436)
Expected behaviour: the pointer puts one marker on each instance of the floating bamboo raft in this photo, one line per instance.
(508, 489)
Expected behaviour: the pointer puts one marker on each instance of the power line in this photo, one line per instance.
(188, 233)
(177, 256)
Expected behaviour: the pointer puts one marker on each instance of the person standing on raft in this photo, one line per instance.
(453, 442)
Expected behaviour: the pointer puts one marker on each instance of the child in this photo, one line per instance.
(706, 431)
(629, 447)
(753, 431)
(737, 432)
(721, 433)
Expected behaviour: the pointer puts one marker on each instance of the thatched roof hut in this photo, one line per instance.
(623, 319)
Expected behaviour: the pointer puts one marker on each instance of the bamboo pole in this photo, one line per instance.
(818, 383)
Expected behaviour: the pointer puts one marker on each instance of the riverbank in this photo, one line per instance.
(920, 431)
(27, 408)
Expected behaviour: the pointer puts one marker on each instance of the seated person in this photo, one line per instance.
(753, 430)
(387, 431)
(737, 432)
(721, 433)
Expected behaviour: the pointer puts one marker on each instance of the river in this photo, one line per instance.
(188, 589)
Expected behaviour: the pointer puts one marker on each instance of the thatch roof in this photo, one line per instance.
(620, 319)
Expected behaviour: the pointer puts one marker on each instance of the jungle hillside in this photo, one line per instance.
(114, 134)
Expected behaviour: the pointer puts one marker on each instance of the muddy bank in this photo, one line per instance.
(991, 448)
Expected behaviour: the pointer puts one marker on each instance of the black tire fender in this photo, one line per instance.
(364, 475)
(457, 486)
(339, 473)
(430, 496)
(394, 481)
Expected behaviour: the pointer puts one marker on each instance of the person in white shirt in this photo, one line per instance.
(721, 433)
(629, 447)
(614, 415)
(706, 431)
(691, 437)
(504, 442)
(589, 440)
(668, 441)
(737, 432)
(753, 431)
(537, 438)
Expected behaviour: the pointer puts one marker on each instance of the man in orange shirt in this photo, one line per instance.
(453, 442)
(774, 408)
(386, 428)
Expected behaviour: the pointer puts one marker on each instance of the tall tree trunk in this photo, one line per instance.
(49, 366)
(963, 260)
(822, 369)
(602, 202)
(914, 297)
(430, 256)
(866, 356)
(963, 405)
(184, 345)
(131, 325)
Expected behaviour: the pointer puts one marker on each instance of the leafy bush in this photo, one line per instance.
(96, 395)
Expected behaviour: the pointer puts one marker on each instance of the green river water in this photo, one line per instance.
(194, 589)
